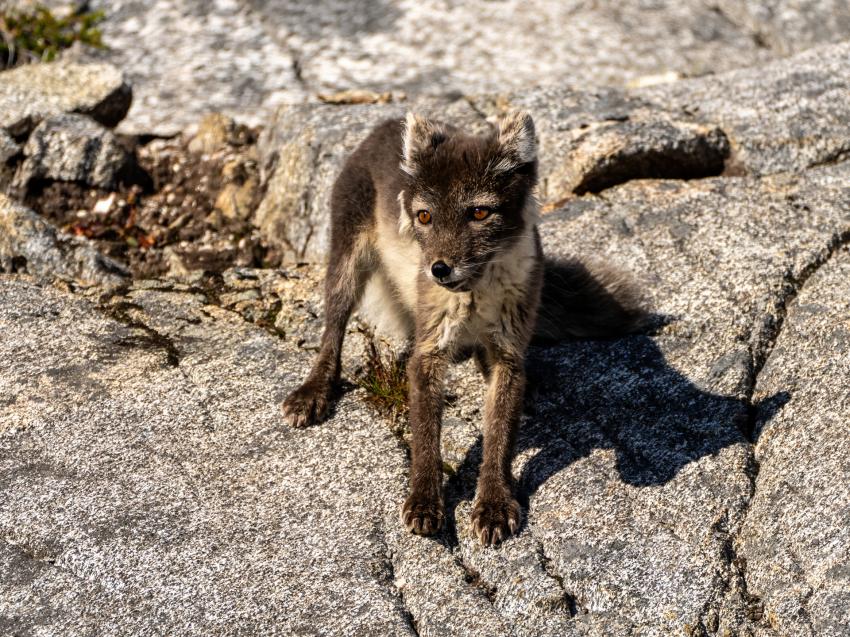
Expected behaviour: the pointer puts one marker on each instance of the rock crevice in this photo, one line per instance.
(691, 480)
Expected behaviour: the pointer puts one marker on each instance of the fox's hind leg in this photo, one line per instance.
(350, 266)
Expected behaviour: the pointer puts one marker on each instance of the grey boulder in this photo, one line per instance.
(33, 92)
(28, 244)
(788, 115)
(72, 147)
(785, 116)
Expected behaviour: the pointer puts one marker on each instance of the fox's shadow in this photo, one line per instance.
(621, 395)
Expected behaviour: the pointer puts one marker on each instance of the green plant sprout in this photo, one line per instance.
(39, 35)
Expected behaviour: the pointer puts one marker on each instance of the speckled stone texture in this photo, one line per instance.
(30, 93)
(796, 540)
(73, 147)
(148, 486)
(784, 116)
(689, 480)
(145, 465)
(246, 57)
(780, 117)
(641, 501)
(30, 245)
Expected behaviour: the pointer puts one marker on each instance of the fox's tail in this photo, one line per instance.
(587, 300)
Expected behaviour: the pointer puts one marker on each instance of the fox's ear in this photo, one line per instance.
(419, 136)
(516, 138)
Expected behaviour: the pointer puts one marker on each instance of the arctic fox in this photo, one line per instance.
(444, 224)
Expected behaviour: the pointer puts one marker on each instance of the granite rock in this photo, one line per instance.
(785, 116)
(247, 57)
(72, 147)
(613, 153)
(148, 485)
(687, 480)
(796, 541)
(28, 244)
(788, 115)
(790, 26)
(33, 92)
(150, 448)
(637, 458)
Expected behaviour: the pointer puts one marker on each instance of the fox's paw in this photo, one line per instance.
(307, 405)
(422, 515)
(494, 520)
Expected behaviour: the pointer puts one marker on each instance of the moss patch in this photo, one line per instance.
(39, 35)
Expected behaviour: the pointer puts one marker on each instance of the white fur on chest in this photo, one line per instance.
(488, 313)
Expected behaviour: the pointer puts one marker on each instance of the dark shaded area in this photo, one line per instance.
(145, 336)
(111, 110)
(674, 157)
(624, 395)
(587, 301)
(620, 395)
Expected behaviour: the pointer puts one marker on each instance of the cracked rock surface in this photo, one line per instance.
(690, 480)
(246, 57)
(667, 419)
(795, 536)
(148, 449)
(157, 478)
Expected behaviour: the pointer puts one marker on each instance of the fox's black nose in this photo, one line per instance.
(441, 269)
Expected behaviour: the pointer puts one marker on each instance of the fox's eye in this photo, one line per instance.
(424, 217)
(479, 213)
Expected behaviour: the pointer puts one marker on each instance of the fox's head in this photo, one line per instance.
(466, 197)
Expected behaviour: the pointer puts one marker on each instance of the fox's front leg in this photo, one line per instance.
(423, 511)
(309, 403)
(496, 514)
(346, 277)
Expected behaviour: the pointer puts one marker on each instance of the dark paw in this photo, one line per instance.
(495, 520)
(421, 515)
(307, 405)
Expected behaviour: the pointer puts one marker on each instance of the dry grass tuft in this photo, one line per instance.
(385, 380)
